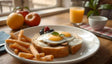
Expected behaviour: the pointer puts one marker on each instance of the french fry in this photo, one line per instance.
(11, 46)
(27, 38)
(42, 54)
(16, 51)
(13, 36)
(35, 59)
(19, 47)
(25, 44)
(47, 58)
(21, 43)
(20, 34)
(43, 59)
(34, 51)
(25, 55)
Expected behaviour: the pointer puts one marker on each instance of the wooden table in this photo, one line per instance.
(102, 56)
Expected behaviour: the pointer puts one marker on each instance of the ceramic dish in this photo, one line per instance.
(89, 47)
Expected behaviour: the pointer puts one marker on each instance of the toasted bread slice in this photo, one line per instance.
(76, 44)
(57, 52)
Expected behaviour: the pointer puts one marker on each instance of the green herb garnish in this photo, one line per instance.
(62, 35)
(57, 34)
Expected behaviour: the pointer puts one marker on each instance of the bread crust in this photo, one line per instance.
(57, 52)
(74, 49)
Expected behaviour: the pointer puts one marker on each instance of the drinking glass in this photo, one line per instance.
(76, 12)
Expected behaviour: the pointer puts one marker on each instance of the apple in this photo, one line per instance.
(32, 19)
(24, 13)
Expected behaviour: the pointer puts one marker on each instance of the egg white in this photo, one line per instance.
(75, 42)
(69, 38)
(45, 38)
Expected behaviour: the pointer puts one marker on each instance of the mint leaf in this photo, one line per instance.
(55, 33)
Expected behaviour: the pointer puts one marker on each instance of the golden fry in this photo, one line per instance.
(13, 36)
(27, 38)
(43, 59)
(11, 46)
(34, 51)
(47, 58)
(35, 59)
(21, 43)
(20, 34)
(25, 44)
(42, 54)
(19, 47)
(25, 55)
(16, 51)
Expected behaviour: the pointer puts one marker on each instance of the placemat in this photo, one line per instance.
(3, 37)
(105, 33)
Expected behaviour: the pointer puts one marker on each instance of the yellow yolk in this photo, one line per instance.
(66, 34)
(55, 38)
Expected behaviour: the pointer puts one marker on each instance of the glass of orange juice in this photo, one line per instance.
(76, 12)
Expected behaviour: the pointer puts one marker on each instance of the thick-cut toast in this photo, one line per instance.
(58, 51)
(76, 44)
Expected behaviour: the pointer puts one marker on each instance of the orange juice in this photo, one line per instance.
(76, 14)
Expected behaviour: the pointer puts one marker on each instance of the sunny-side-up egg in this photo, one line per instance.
(68, 36)
(52, 39)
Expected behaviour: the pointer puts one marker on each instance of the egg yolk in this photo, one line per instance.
(66, 34)
(55, 38)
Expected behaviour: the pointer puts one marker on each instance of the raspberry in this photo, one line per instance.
(46, 29)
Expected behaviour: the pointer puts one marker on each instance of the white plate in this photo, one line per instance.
(89, 47)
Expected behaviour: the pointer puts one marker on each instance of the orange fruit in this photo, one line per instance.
(15, 21)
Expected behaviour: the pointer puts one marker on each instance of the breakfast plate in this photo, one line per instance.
(90, 45)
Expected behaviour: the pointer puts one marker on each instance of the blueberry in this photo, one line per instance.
(41, 31)
(51, 30)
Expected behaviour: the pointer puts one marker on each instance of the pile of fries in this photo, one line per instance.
(22, 46)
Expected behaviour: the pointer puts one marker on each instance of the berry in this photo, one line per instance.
(41, 31)
(51, 30)
(46, 29)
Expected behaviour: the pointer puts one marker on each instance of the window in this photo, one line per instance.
(7, 6)
(38, 4)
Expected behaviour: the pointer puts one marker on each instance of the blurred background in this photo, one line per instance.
(7, 6)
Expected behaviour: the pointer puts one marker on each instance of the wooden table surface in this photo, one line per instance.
(102, 56)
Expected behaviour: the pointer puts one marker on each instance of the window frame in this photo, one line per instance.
(58, 4)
